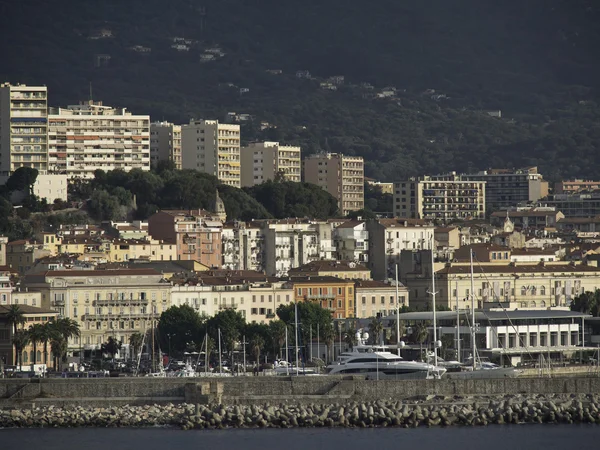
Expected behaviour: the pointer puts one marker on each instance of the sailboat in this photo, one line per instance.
(477, 368)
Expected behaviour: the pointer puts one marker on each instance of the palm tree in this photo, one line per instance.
(58, 345)
(20, 340)
(376, 327)
(111, 347)
(328, 335)
(350, 339)
(277, 335)
(135, 341)
(421, 333)
(36, 333)
(45, 339)
(256, 344)
(15, 317)
(393, 332)
(61, 331)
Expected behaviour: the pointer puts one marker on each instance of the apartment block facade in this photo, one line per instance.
(165, 143)
(508, 187)
(105, 303)
(389, 237)
(262, 161)
(23, 128)
(331, 293)
(340, 175)
(86, 137)
(257, 301)
(196, 234)
(214, 148)
(440, 197)
(352, 241)
(243, 247)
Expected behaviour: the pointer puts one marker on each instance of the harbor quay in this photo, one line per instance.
(285, 402)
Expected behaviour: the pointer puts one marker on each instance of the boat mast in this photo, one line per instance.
(206, 353)
(220, 364)
(457, 325)
(473, 310)
(433, 302)
(397, 315)
(287, 357)
(296, 320)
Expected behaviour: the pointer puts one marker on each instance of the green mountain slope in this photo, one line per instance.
(535, 61)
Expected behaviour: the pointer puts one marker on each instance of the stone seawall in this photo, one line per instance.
(294, 390)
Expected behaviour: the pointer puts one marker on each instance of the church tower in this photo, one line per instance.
(220, 208)
(509, 226)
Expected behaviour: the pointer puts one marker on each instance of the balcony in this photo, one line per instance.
(58, 302)
(121, 302)
(321, 297)
(230, 306)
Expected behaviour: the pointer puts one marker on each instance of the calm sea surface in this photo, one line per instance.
(511, 437)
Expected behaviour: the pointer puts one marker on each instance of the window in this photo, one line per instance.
(373, 300)
(339, 291)
(364, 300)
(382, 300)
(543, 290)
(254, 298)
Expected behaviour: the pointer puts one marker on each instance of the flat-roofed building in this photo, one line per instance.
(165, 143)
(340, 175)
(214, 148)
(440, 197)
(23, 128)
(262, 161)
(334, 294)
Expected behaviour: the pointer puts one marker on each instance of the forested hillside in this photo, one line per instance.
(450, 62)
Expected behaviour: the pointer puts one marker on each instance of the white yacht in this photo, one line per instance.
(378, 363)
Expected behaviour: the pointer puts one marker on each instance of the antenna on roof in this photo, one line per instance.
(91, 98)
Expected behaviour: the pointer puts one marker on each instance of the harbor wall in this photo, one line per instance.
(245, 390)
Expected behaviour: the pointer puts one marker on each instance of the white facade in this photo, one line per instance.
(214, 148)
(165, 143)
(389, 237)
(51, 187)
(352, 241)
(291, 243)
(87, 137)
(262, 161)
(257, 301)
(23, 128)
(243, 247)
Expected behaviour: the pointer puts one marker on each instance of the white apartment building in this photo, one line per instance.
(257, 301)
(243, 247)
(165, 143)
(439, 197)
(262, 161)
(340, 175)
(23, 128)
(389, 237)
(90, 136)
(290, 243)
(378, 298)
(214, 148)
(352, 241)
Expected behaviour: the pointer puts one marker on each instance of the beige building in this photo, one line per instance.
(165, 143)
(22, 254)
(105, 303)
(23, 128)
(378, 298)
(214, 148)
(509, 285)
(256, 300)
(262, 161)
(573, 186)
(342, 176)
(3, 243)
(346, 270)
(90, 136)
(440, 197)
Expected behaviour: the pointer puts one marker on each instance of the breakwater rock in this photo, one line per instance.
(424, 411)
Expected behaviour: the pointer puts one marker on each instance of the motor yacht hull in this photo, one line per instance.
(482, 374)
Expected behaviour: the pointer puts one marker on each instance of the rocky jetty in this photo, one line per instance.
(421, 411)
